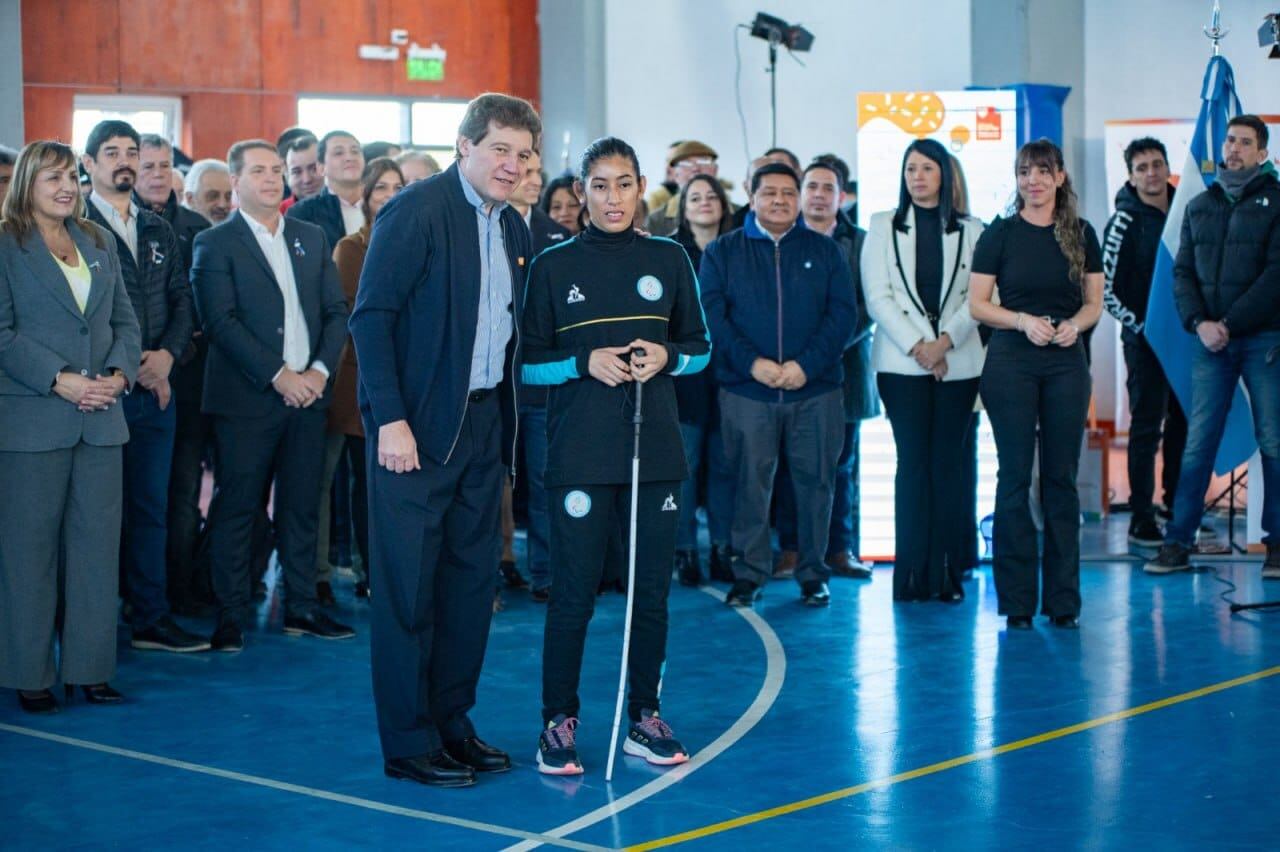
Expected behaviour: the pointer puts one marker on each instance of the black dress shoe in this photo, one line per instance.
(479, 755)
(1019, 622)
(815, 593)
(167, 635)
(97, 693)
(38, 702)
(228, 637)
(435, 770)
(317, 624)
(1066, 622)
(743, 594)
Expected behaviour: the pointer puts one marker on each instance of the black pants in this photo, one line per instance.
(1152, 409)
(583, 519)
(193, 441)
(930, 421)
(1036, 394)
(355, 456)
(435, 541)
(290, 442)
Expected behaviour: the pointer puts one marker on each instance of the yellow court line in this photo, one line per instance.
(943, 766)
(613, 319)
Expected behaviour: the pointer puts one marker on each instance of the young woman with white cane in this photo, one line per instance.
(606, 313)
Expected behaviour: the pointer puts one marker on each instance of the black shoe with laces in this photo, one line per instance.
(557, 749)
(228, 637)
(318, 625)
(167, 635)
(1145, 532)
(652, 739)
(815, 593)
(1172, 557)
(743, 594)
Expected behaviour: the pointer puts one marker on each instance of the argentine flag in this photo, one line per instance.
(1172, 343)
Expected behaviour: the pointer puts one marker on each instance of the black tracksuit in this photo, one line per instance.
(1129, 246)
(596, 290)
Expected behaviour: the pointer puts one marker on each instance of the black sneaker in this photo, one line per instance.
(228, 637)
(1271, 568)
(815, 593)
(511, 576)
(1172, 557)
(688, 568)
(167, 635)
(743, 594)
(652, 739)
(317, 624)
(557, 751)
(1145, 532)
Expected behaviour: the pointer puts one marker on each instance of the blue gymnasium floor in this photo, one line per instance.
(275, 748)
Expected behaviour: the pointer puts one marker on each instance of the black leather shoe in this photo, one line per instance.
(167, 635)
(815, 593)
(435, 770)
(1019, 622)
(479, 755)
(97, 693)
(317, 624)
(743, 594)
(38, 702)
(228, 637)
(1066, 622)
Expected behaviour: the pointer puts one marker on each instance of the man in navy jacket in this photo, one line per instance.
(780, 306)
(435, 332)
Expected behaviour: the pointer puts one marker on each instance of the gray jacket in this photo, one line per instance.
(43, 332)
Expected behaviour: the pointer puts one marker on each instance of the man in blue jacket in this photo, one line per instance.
(434, 327)
(780, 306)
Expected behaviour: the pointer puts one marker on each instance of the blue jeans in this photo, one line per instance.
(533, 432)
(147, 459)
(705, 449)
(843, 533)
(1214, 376)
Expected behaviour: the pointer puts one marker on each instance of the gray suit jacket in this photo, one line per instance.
(43, 332)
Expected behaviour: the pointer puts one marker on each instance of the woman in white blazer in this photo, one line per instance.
(928, 356)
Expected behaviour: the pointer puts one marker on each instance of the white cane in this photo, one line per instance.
(636, 419)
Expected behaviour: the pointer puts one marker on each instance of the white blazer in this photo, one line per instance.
(889, 282)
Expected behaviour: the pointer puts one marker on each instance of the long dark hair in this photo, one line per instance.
(946, 210)
(682, 220)
(1068, 229)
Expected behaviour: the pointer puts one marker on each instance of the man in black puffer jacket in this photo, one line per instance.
(1227, 287)
(1129, 246)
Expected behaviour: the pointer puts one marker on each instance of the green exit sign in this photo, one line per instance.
(430, 70)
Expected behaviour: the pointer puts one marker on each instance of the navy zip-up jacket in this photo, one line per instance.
(414, 323)
(789, 301)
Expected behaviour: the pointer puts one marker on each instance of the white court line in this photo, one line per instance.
(314, 793)
(775, 674)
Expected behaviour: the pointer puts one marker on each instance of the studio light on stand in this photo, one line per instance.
(795, 38)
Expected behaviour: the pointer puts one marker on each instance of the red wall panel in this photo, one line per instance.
(240, 65)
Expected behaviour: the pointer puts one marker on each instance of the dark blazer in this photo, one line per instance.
(186, 223)
(156, 282)
(324, 210)
(243, 313)
(43, 332)
(861, 398)
(546, 231)
(414, 324)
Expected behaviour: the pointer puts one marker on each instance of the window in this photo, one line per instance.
(146, 114)
(430, 126)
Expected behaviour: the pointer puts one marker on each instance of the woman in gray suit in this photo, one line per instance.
(69, 347)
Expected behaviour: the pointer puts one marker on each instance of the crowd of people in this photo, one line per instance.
(359, 346)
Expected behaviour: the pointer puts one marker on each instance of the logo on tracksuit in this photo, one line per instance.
(577, 504)
(669, 505)
(649, 288)
(575, 295)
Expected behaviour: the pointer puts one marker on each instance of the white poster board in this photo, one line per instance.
(980, 128)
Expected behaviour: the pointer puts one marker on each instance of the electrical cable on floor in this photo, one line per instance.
(1216, 571)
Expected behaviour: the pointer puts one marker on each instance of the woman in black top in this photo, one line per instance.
(1046, 262)
(704, 214)
(604, 310)
(561, 203)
